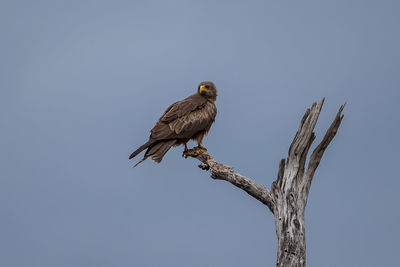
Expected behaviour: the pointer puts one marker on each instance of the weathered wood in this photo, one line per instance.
(224, 172)
(288, 196)
(318, 152)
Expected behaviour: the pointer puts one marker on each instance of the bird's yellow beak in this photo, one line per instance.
(203, 89)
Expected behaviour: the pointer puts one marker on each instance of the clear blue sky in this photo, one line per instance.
(83, 82)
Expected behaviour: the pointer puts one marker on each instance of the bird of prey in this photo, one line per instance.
(188, 119)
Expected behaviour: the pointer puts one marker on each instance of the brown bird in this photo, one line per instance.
(188, 119)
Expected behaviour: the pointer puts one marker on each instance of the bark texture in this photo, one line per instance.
(288, 196)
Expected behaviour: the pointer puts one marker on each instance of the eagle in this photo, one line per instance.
(188, 119)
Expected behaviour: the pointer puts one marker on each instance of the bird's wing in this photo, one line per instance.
(182, 108)
(198, 120)
(185, 118)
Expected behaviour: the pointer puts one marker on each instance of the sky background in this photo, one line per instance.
(83, 82)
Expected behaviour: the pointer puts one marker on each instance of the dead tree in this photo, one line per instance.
(287, 198)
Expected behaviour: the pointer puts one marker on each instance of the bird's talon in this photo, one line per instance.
(202, 147)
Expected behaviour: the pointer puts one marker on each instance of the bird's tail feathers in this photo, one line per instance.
(157, 151)
(143, 159)
(141, 148)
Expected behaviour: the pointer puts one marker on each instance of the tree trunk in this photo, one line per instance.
(289, 222)
(291, 240)
(288, 196)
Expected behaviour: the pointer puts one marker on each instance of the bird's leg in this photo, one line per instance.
(199, 139)
(185, 151)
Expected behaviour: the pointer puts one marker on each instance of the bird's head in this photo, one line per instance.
(208, 90)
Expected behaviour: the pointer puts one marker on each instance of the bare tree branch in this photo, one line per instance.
(288, 196)
(224, 172)
(318, 152)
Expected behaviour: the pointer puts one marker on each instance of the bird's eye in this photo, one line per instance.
(207, 87)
